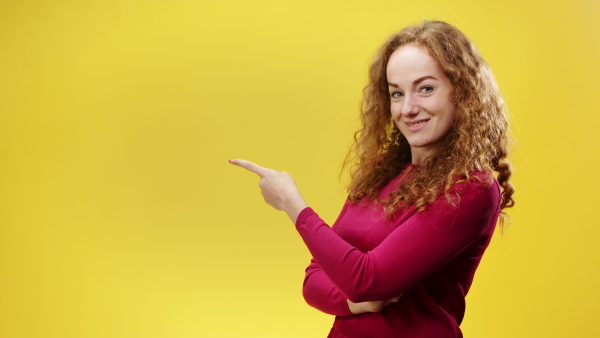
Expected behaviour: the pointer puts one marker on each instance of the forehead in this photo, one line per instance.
(410, 62)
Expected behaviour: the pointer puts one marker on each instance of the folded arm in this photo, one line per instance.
(417, 248)
(320, 293)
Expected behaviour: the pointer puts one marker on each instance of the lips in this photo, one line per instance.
(416, 125)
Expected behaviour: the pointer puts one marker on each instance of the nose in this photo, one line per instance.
(409, 105)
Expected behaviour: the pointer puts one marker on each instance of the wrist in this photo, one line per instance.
(353, 307)
(294, 206)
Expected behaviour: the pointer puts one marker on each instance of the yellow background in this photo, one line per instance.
(120, 216)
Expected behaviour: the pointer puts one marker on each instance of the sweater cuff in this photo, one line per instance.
(305, 213)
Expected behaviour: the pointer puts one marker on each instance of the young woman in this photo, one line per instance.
(423, 201)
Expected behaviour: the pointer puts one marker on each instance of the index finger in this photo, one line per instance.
(250, 166)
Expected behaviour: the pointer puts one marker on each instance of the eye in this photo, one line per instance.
(426, 89)
(396, 94)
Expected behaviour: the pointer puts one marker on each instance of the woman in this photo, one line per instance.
(423, 201)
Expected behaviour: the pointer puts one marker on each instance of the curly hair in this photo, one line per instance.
(476, 143)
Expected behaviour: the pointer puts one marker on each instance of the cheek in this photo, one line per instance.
(446, 110)
(448, 121)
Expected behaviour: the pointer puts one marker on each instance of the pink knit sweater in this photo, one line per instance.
(428, 257)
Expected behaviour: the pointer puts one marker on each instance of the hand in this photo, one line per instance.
(374, 306)
(278, 188)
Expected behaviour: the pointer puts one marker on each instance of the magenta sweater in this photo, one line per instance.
(429, 257)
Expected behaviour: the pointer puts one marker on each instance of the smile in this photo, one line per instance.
(416, 125)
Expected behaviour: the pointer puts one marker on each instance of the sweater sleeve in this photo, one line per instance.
(320, 293)
(418, 247)
(318, 290)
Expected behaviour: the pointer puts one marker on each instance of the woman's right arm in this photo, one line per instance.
(320, 293)
(422, 245)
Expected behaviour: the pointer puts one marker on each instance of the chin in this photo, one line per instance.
(419, 143)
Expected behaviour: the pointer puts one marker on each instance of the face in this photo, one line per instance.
(420, 96)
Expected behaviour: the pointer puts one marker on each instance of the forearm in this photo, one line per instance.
(320, 293)
(404, 258)
(376, 306)
(293, 205)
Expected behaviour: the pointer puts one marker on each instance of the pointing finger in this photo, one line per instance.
(253, 167)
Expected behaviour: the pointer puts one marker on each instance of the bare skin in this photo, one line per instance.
(280, 191)
(374, 306)
(278, 188)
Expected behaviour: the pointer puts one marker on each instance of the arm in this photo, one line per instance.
(420, 246)
(279, 190)
(320, 293)
(417, 248)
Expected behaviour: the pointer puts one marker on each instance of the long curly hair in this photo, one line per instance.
(477, 141)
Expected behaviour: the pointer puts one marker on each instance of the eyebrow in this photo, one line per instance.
(391, 84)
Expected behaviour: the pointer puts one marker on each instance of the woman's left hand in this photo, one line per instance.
(278, 188)
(375, 306)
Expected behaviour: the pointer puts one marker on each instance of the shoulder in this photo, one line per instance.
(477, 197)
(479, 184)
(469, 209)
(478, 191)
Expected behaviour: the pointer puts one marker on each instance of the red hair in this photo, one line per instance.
(477, 141)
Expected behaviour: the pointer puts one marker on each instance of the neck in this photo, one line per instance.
(418, 155)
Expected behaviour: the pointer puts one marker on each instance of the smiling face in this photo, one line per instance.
(420, 99)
